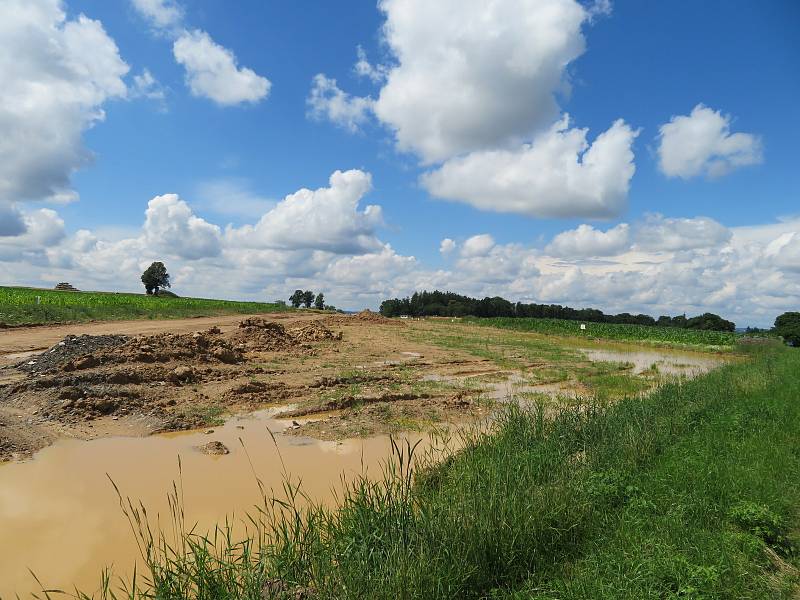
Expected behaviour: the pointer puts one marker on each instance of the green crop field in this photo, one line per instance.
(19, 306)
(610, 331)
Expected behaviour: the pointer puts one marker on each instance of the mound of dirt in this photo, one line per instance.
(365, 316)
(256, 333)
(72, 350)
(314, 331)
(260, 334)
(167, 347)
(371, 317)
(214, 448)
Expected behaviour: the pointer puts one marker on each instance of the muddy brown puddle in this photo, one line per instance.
(60, 516)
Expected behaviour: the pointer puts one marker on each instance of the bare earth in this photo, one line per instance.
(338, 376)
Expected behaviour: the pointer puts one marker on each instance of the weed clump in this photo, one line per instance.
(758, 520)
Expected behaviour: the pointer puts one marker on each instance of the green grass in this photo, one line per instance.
(668, 336)
(18, 306)
(507, 349)
(691, 492)
(542, 359)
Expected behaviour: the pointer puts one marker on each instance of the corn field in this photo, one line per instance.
(33, 306)
(613, 331)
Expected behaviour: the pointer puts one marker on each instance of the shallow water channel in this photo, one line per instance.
(60, 516)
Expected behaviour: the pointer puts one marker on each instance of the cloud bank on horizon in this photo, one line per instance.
(468, 106)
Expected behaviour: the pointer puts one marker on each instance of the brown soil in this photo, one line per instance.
(214, 449)
(365, 316)
(340, 375)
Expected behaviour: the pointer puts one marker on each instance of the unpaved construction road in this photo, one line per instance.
(18, 341)
(342, 376)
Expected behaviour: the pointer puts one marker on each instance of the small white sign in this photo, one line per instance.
(583, 326)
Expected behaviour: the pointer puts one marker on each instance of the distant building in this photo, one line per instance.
(66, 287)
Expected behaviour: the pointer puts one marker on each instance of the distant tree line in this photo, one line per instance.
(449, 304)
(307, 298)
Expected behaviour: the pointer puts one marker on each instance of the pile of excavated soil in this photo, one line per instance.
(260, 334)
(165, 347)
(372, 317)
(314, 331)
(365, 316)
(72, 350)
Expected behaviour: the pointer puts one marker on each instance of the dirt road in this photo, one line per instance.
(18, 342)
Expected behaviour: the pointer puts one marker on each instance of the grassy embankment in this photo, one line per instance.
(691, 492)
(18, 306)
(666, 336)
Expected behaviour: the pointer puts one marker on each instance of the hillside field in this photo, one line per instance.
(18, 306)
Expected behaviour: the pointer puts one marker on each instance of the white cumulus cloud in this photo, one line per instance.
(146, 86)
(55, 76)
(471, 88)
(327, 102)
(364, 68)
(327, 219)
(40, 229)
(472, 74)
(658, 233)
(477, 245)
(784, 252)
(701, 143)
(212, 71)
(585, 241)
(163, 14)
(447, 246)
(750, 277)
(171, 226)
(557, 175)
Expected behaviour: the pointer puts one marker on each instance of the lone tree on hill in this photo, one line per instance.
(788, 327)
(319, 302)
(155, 277)
(308, 298)
(297, 298)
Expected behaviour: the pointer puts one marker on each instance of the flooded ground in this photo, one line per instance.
(329, 399)
(60, 517)
(663, 361)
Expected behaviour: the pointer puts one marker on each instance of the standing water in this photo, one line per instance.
(60, 516)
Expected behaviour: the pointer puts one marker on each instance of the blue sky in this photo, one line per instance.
(671, 220)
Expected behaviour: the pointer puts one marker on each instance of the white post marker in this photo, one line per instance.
(583, 326)
(38, 299)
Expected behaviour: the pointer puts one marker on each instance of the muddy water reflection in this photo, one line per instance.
(60, 517)
(665, 362)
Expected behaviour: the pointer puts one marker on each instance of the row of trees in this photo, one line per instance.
(307, 298)
(156, 278)
(448, 304)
